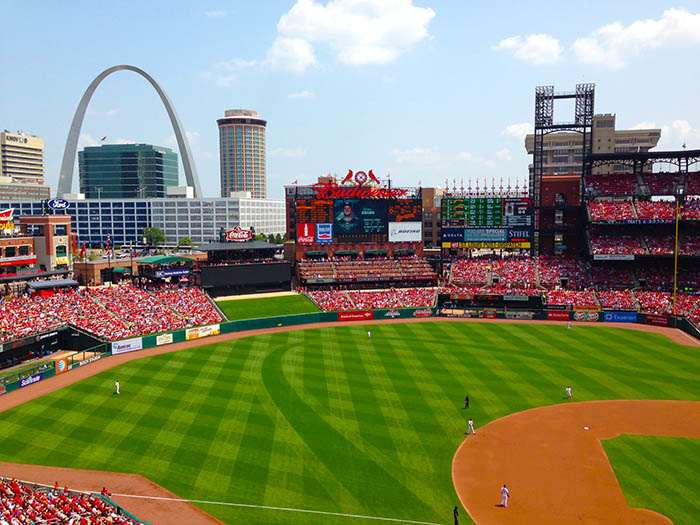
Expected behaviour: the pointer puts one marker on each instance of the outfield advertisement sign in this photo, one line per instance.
(620, 317)
(30, 380)
(360, 315)
(202, 331)
(164, 339)
(587, 316)
(658, 319)
(61, 366)
(87, 361)
(557, 315)
(128, 345)
(520, 315)
(425, 312)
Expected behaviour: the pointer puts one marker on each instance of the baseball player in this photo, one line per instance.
(456, 514)
(504, 496)
(568, 325)
(369, 334)
(470, 427)
(568, 392)
(116, 385)
(466, 402)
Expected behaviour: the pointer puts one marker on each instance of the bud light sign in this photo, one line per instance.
(324, 232)
(58, 204)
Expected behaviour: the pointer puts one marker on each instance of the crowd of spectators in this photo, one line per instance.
(521, 270)
(571, 297)
(613, 276)
(378, 268)
(331, 300)
(471, 270)
(660, 183)
(691, 209)
(190, 303)
(618, 244)
(22, 505)
(665, 210)
(616, 299)
(606, 211)
(552, 269)
(618, 184)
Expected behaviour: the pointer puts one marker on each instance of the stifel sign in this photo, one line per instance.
(365, 186)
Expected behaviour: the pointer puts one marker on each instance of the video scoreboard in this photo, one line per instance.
(486, 223)
(358, 220)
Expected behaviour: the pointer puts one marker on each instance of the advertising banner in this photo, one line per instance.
(425, 312)
(30, 380)
(449, 235)
(521, 298)
(360, 315)
(61, 366)
(87, 361)
(164, 339)
(613, 257)
(658, 319)
(172, 273)
(586, 316)
(620, 317)
(405, 231)
(557, 315)
(486, 235)
(489, 314)
(324, 233)
(587, 308)
(202, 331)
(520, 315)
(305, 233)
(128, 345)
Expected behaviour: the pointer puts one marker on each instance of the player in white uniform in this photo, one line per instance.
(470, 427)
(568, 325)
(568, 392)
(116, 384)
(369, 334)
(504, 496)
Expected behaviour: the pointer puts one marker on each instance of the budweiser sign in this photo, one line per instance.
(6, 215)
(239, 234)
(361, 185)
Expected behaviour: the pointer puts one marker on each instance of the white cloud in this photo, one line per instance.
(357, 32)
(224, 74)
(503, 154)
(218, 13)
(644, 125)
(537, 50)
(612, 44)
(288, 153)
(679, 132)
(519, 130)
(290, 54)
(86, 140)
(414, 155)
(121, 140)
(301, 95)
(464, 155)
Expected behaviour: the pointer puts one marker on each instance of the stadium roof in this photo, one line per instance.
(56, 283)
(163, 259)
(237, 246)
(27, 276)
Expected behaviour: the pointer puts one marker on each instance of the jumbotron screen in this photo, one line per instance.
(358, 220)
(486, 223)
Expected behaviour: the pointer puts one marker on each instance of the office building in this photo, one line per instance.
(564, 151)
(22, 167)
(122, 171)
(199, 219)
(242, 153)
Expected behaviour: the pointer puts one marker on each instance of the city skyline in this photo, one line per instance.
(424, 91)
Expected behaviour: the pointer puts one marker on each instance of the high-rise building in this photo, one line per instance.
(22, 167)
(563, 151)
(118, 171)
(242, 152)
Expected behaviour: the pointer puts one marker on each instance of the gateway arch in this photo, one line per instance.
(65, 179)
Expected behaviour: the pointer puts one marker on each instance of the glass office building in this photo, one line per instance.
(117, 171)
(199, 219)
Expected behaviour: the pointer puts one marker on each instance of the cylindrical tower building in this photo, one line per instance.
(242, 153)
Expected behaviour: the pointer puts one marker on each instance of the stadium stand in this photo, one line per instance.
(331, 300)
(516, 270)
(660, 183)
(552, 269)
(471, 271)
(572, 298)
(616, 299)
(656, 209)
(620, 184)
(618, 244)
(606, 211)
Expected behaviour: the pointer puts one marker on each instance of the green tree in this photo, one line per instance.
(185, 241)
(92, 256)
(154, 236)
(260, 237)
(271, 238)
(278, 239)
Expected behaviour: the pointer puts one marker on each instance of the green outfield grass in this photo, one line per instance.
(658, 473)
(267, 307)
(329, 420)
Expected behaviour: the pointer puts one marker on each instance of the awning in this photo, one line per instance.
(122, 269)
(376, 252)
(163, 259)
(404, 252)
(56, 283)
(317, 254)
(347, 252)
(34, 275)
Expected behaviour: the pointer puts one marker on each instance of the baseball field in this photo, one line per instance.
(329, 420)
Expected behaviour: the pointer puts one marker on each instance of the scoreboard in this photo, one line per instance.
(358, 220)
(486, 223)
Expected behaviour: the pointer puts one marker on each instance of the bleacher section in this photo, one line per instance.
(365, 270)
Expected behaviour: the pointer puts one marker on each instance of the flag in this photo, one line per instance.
(82, 251)
(295, 181)
(684, 145)
(75, 244)
(103, 138)
(109, 241)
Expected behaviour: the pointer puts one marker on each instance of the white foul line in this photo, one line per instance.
(359, 516)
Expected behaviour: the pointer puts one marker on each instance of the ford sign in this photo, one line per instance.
(58, 204)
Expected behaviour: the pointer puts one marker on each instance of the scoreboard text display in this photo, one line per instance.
(486, 223)
(359, 220)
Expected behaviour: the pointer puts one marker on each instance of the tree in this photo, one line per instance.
(154, 236)
(271, 238)
(185, 241)
(259, 237)
(278, 239)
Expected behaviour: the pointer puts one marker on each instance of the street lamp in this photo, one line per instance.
(679, 194)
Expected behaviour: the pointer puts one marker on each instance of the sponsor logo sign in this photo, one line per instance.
(359, 315)
(44, 336)
(519, 235)
(6, 215)
(613, 257)
(521, 298)
(30, 380)
(361, 184)
(580, 315)
(238, 234)
(452, 235)
(486, 245)
(489, 314)
(587, 308)
(61, 259)
(620, 317)
(164, 339)
(202, 331)
(172, 273)
(405, 231)
(128, 345)
(305, 233)
(88, 361)
(61, 366)
(58, 204)
(485, 235)
(324, 232)
(393, 314)
(426, 312)
(658, 319)
(520, 315)
(557, 315)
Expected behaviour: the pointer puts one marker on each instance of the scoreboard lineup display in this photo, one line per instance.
(358, 220)
(486, 223)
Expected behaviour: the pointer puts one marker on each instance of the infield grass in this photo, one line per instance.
(267, 307)
(326, 419)
(658, 473)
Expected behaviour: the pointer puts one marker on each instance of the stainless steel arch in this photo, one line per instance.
(65, 180)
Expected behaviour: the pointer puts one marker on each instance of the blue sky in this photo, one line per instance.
(422, 90)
